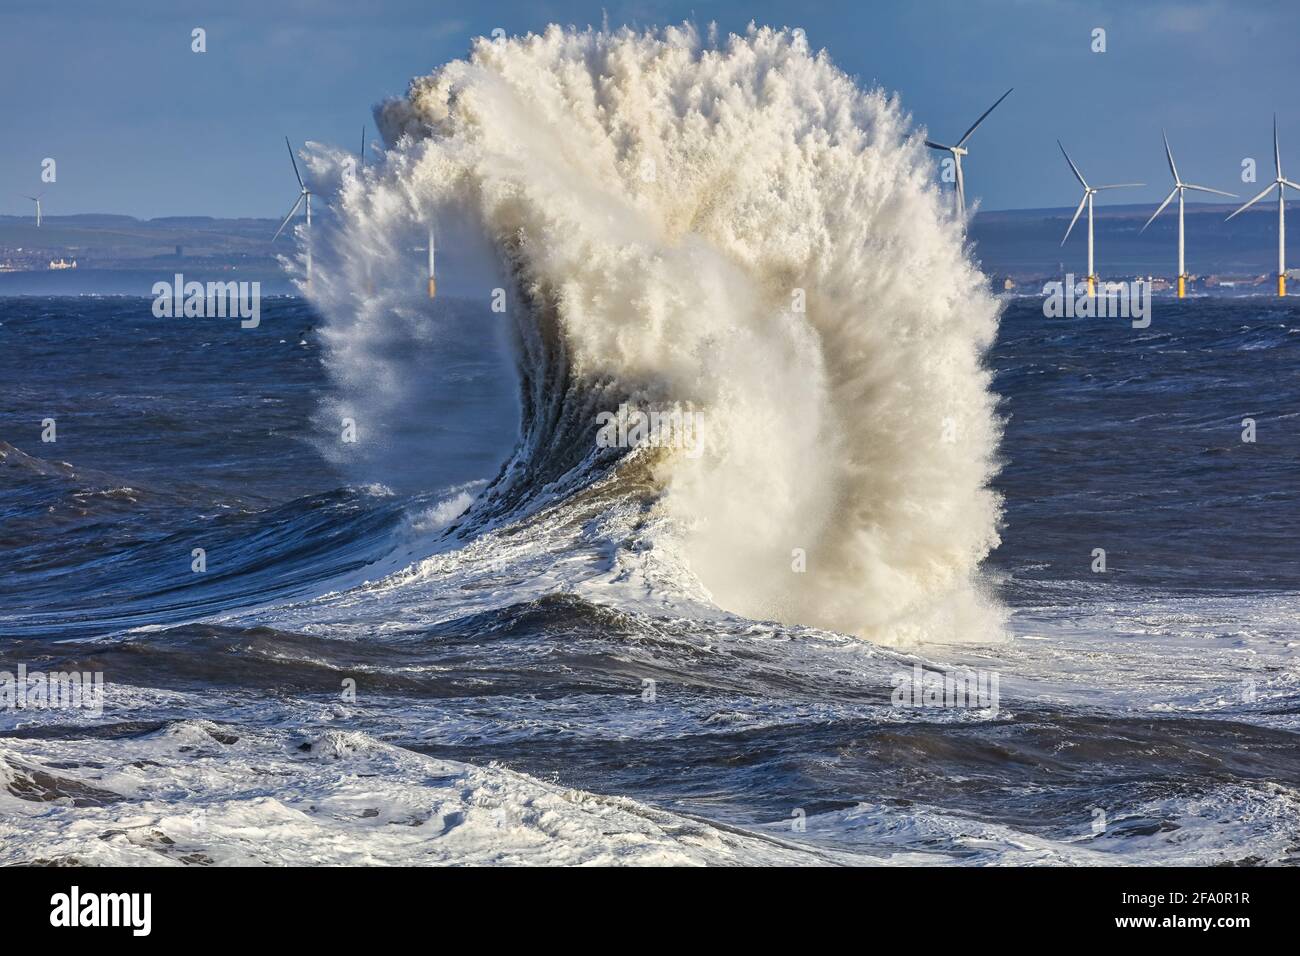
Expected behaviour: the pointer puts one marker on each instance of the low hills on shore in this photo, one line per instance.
(1016, 248)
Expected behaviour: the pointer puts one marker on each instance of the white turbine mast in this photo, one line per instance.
(1179, 188)
(37, 199)
(1088, 193)
(304, 196)
(1280, 184)
(960, 150)
(433, 284)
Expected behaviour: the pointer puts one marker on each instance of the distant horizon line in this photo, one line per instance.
(1067, 210)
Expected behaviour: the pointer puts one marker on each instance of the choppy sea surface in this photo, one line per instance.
(358, 674)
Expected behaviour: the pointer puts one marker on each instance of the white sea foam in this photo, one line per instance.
(339, 798)
(287, 780)
(670, 201)
(450, 507)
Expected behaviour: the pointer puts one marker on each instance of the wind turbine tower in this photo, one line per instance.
(304, 196)
(959, 151)
(1088, 193)
(37, 200)
(433, 282)
(1280, 184)
(1179, 188)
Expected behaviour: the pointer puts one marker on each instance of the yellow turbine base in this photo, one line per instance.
(433, 287)
(1092, 286)
(1182, 286)
(1281, 284)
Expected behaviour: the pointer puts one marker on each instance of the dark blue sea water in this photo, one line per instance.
(1121, 690)
(1132, 440)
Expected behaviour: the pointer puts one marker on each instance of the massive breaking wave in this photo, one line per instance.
(730, 227)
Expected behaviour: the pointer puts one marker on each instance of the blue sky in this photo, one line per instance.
(140, 125)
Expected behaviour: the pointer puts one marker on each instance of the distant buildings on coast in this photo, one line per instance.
(35, 265)
(1225, 284)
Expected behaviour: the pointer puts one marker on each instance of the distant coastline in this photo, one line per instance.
(1018, 249)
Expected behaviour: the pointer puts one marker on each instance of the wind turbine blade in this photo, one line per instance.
(1267, 189)
(1119, 185)
(1168, 199)
(301, 197)
(1207, 189)
(363, 146)
(1076, 217)
(1170, 153)
(1077, 175)
(962, 142)
(934, 145)
(1291, 184)
(294, 161)
(1277, 152)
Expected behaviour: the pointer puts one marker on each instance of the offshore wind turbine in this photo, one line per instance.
(1088, 193)
(37, 199)
(960, 150)
(304, 196)
(1280, 184)
(1179, 188)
